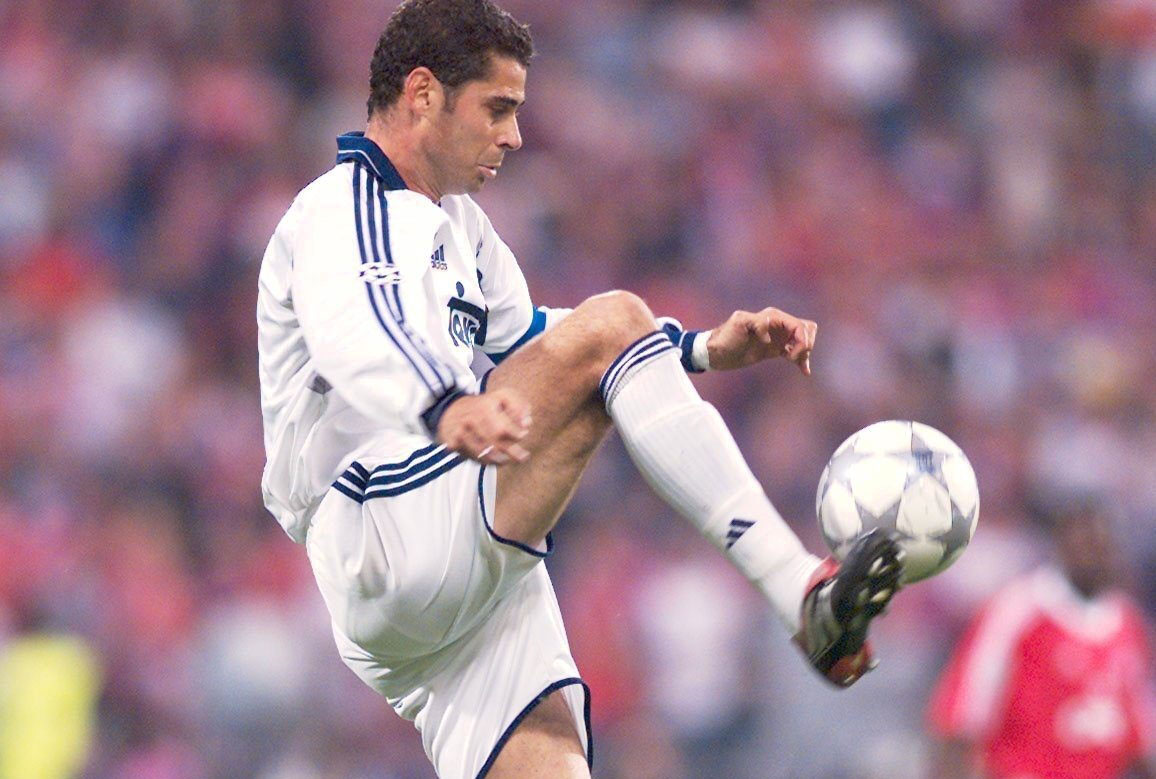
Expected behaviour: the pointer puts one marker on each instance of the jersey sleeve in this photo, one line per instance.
(1140, 696)
(966, 701)
(512, 319)
(360, 292)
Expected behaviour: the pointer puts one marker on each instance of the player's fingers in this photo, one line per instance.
(500, 435)
(796, 343)
(501, 454)
(811, 330)
(515, 408)
(763, 328)
(518, 452)
(494, 456)
(471, 443)
(506, 431)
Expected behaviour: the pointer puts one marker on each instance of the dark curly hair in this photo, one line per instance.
(453, 38)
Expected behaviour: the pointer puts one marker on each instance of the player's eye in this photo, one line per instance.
(502, 109)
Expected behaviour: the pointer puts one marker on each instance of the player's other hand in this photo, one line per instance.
(746, 338)
(487, 427)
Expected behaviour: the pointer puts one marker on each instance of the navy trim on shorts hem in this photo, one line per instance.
(508, 541)
(509, 731)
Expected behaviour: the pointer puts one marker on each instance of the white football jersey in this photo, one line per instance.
(371, 301)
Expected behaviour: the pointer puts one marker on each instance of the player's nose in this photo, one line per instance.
(511, 136)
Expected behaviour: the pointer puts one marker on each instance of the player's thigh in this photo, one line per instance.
(545, 745)
(558, 374)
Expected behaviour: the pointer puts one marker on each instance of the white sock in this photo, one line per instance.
(683, 448)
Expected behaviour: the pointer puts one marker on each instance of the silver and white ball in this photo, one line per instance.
(906, 478)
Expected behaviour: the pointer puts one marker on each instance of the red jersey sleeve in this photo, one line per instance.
(968, 695)
(1139, 695)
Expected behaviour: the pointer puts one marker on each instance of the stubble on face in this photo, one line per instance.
(472, 132)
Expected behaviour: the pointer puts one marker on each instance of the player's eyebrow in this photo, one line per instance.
(501, 101)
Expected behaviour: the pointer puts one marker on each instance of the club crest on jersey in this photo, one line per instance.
(467, 324)
(379, 273)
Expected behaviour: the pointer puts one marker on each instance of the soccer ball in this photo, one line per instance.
(905, 478)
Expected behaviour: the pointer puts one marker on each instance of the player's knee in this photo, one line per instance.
(617, 318)
(598, 330)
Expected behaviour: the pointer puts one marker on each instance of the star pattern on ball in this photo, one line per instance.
(927, 461)
(840, 466)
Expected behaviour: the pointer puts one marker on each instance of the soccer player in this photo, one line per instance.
(425, 497)
(1051, 679)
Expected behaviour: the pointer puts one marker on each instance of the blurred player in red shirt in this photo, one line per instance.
(1051, 679)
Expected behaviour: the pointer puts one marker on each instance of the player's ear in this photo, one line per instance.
(422, 91)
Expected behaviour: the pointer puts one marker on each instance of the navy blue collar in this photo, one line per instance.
(355, 146)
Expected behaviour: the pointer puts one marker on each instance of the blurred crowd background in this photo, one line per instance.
(961, 192)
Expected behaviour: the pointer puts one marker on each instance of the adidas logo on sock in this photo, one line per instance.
(738, 527)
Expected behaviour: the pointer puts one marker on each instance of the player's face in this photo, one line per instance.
(471, 134)
(1088, 552)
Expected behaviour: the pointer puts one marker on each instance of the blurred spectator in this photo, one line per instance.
(49, 684)
(1053, 676)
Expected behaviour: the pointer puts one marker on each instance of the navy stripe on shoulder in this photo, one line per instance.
(436, 389)
(390, 293)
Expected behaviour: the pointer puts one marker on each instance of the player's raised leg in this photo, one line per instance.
(608, 361)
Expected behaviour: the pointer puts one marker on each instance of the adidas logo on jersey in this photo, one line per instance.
(437, 260)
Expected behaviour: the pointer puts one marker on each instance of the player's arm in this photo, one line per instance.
(512, 320)
(1140, 702)
(362, 317)
(966, 703)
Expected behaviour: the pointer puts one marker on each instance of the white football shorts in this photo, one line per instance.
(458, 629)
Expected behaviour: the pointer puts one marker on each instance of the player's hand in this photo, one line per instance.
(487, 427)
(746, 338)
